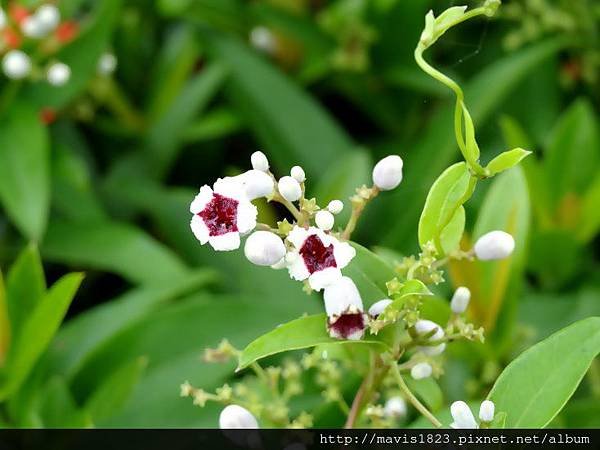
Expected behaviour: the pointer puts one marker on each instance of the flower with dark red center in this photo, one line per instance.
(317, 256)
(344, 307)
(221, 214)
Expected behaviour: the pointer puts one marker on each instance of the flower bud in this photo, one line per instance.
(58, 74)
(335, 206)
(264, 248)
(344, 308)
(48, 17)
(16, 65)
(462, 415)
(460, 300)
(259, 161)
(387, 173)
(395, 408)
(486, 411)
(289, 189)
(378, 307)
(257, 184)
(298, 174)
(32, 28)
(107, 64)
(234, 416)
(263, 39)
(324, 220)
(420, 371)
(494, 245)
(424, 327)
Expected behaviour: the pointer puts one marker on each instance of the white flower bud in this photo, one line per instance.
(107, 64)
(234, 416)
(494, 245)
(387, 173)
(16, 65)
(462, 415)
(298, 174)
(420, 371)
(460, 300)
(259, 161)
(395, 408)
(344, 309)
(378, 307)
(324, 220)
(289, 189)
(33, 28)
(48, 16)
(262, 39)
(424, 327)
(257, 184)
(486, 411)
(58, 74)
(335, 206)
(264, 248)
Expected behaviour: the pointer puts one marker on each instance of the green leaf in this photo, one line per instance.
(37, 332)
(293, 128)
(452, 188)
(25, 288)
(56, 407)
(4, 325)
(112, 394)
(471, 148)
(114, 247)
(370, 273)
(590, 213)
(81, 55)
(534, 387)
(24, 172)
(506, 160)
(452, 233)
(301, 333)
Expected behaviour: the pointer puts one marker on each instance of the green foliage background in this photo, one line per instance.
(105, 190)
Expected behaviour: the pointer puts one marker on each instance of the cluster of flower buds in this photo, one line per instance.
(464, 419)
(42, 33)
(309, 248)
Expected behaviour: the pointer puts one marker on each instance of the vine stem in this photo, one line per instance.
(414, 400)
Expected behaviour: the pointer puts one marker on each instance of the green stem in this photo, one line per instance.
(357, 210)
(291, 208)
(414, 400)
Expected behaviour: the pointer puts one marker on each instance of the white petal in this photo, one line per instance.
(246, 216)
(225, 242)
(289, 188)
(234, 416)
(297, 236)
(335, 206)
(432, 350)
(257, 184)
(486, 411)
(379, 306)
(341, 296)
(462, 415)
(494, 245)
(323, 278)
(343, 253)
(324, 220)
(264, 248)
(298, 174)
(199, 229)
(421, 371)
(296, 267)
(259, 161)
(201, 200)
(395, 407)
(232, 187)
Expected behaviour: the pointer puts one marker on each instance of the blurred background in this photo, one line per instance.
(98, 175)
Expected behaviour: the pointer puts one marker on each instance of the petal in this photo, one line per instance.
(225, 242)
(433, 350)
(323, 278)
(232, 187)
(246, 217)
(201, 200)
(199, 229)
(297, 268)
(343, 253)
(341, 297)
(297, 236)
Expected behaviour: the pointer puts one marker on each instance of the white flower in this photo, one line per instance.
(257, 183)
(16, 65)
(460, 300)
(462, 415)
(395, 408)
(298, 174)
(486, 411)
(335, 206)
(234, 416)
(317, 256)
(420, 371)
(262, 39)
(324, 220)
(378, 307)
(58, 74)
(387, 173)
(107, 63)
(32, 27)
(344, 307)
(259, 161)
(48, 16)
(424, 327)
(289, 188)
(221, 214)
(494, 245)
(264, 248)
